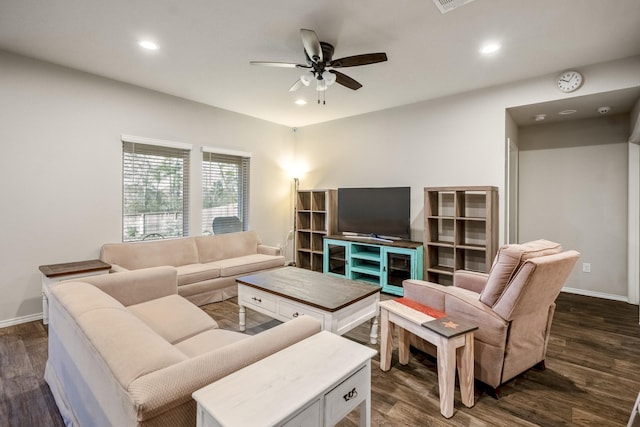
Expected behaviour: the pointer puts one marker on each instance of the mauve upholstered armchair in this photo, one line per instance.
(513, 306)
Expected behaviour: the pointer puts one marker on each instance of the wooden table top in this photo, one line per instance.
(310, 287)
(77, 267)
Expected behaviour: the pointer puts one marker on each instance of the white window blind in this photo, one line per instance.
(155, 191)
(225, 193)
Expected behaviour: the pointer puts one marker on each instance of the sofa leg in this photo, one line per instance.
(496, 393)
(540, 366)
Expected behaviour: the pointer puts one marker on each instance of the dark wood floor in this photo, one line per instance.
(592, 376)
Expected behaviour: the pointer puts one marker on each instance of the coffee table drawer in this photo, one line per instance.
(347, 396)
(290, 311)
(257, 299)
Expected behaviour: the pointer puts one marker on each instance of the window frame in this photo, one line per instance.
(242, 160)
(154, 150)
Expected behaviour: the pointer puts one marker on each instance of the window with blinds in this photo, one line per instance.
(155, 192)
(225, 193)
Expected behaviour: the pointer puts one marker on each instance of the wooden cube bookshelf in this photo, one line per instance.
(316, 212)
(461, 230)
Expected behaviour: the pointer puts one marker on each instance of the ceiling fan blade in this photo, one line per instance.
(279, 64)
(353, 61)
(311, 45)
(346, 81)
(297, 85)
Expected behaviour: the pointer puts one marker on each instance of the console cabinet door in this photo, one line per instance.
(399, 265)
(336, 258)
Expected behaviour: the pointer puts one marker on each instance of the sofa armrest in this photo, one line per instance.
(470, 280)
(269, 250)
(136, 286)
(167, 388)
(115, 268)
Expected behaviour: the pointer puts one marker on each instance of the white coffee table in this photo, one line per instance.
(284, 293)
(315, 382)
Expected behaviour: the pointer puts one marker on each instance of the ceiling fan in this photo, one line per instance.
(321, 65)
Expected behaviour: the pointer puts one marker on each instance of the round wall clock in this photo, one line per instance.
(569, 81)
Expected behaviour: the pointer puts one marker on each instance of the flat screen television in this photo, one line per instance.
(377, 212)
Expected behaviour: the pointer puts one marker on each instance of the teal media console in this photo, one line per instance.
(380, 263)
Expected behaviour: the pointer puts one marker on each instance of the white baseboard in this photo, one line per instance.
(19, 320)
(595, 294)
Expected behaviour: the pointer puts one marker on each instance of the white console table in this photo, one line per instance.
(315, 382)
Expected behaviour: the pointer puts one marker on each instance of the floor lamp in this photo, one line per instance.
(296, 185)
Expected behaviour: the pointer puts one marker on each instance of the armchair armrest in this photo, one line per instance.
(470, 280)
(426, 293)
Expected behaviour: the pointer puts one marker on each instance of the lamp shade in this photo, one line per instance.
(329, 78)
(307, 78)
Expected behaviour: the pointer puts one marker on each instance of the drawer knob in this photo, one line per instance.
(296, 314)
(352, 394)
(256, 299)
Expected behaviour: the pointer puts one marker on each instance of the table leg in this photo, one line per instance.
(386, 341)
(465, 370)
(446, 375)
(365, 412)
(374, 330)
(242, 314)
(403, 345)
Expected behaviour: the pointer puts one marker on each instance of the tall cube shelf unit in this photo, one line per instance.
(461, 230)
(315, 218)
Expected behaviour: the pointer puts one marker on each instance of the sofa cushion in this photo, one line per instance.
(223, 246)
(209, 341)
(136, 255)
(173, 318)
(247, 264)
(194, 273)
(508, 261)
(129, 347)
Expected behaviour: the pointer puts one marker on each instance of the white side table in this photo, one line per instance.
(315, 382)
(453, 350)
(71, 270)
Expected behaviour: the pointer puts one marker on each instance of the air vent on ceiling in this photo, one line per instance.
(448, 5)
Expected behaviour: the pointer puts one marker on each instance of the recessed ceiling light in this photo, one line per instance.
(567, 112)
(147, 44)
(490, 48)
(301, 102)
(539, 117)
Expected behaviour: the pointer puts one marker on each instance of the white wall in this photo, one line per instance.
(61, 167)
(61, 156)
(458, 140)
(573, 190)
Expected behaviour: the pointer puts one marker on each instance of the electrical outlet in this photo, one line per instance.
(586, 267)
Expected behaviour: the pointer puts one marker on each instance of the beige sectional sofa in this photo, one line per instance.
(126, 350)
(207, 265)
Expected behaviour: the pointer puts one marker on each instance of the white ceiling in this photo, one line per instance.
(206, 46)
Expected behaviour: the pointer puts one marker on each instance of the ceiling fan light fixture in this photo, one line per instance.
(329, 78)
(321, 85)
(307, 78)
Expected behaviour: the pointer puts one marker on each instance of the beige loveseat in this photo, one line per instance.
(207, 265)
(126, 350)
